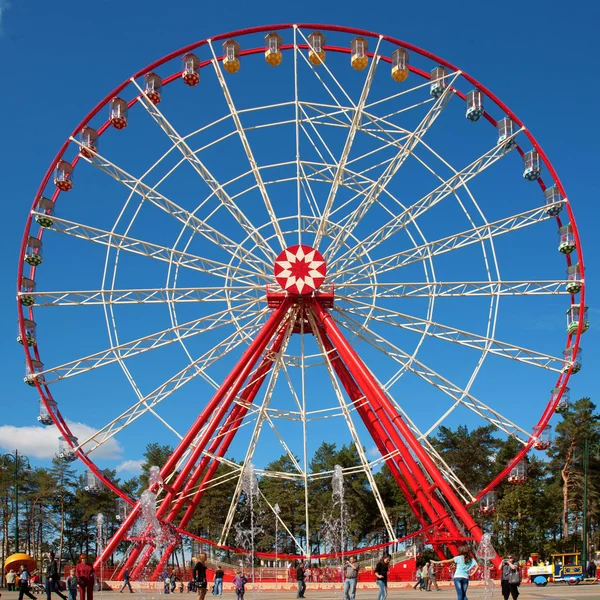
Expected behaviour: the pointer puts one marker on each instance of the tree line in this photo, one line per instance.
(543, 515)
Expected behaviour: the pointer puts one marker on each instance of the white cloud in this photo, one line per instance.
(4, 4)
(130, 466)
(373, 452)
(42, 442)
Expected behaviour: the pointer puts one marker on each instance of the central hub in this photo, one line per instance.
(300, 270)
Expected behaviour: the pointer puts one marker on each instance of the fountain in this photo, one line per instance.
(333, 525)
(337, 485)
(246, 537)
(100, 539)
(486, 552)
(149, 526)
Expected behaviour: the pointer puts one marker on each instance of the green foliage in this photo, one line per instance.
(56, 512)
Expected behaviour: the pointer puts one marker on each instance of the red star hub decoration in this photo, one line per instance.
(300, 269)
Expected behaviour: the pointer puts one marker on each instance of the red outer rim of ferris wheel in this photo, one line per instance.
(572, 339)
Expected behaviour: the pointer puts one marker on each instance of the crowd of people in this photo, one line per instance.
(79, 585)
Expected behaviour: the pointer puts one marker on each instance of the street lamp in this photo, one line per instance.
(17, 461)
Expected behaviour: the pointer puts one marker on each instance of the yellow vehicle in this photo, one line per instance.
(566, 567)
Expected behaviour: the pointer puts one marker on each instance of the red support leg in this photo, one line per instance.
(243, 367)
(372, 390)
(218, 447)
(399, 469)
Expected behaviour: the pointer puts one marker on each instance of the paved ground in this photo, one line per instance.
(528, 592)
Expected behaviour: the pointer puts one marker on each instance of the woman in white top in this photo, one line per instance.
(464, 563)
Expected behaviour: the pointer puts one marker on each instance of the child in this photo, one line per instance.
(239, 582)
(72, 585)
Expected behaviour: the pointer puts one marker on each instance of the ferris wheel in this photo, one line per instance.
(285, 231)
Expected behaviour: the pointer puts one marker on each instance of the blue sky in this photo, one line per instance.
(58, 62)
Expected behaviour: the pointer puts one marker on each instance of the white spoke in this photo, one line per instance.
(458, 336)
(147, 296)
(196, 368)
(459, 395)
(182, 215)
(453, 242)
(354, 127)
(126, 350)
(143, 248)
(446, 188)
(243, 138)
(354, 434)
(393, 167)
(452, 289)
(261, 417)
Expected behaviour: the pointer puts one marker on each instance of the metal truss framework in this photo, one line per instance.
(359, 183)
(430, 496)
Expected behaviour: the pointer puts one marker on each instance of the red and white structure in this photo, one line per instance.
(320, 214)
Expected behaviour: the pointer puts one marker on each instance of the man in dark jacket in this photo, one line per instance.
(52, 578)
(300, 580)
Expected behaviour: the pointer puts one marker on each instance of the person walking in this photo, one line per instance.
(11, 578)
(300, 580)
(86, 576)
(218, 585)
(166, 582)
(432, 578)
(72, 585)
(126, 582)
(351, 572)
(174, 579)
(239, 582)
(381, 575)
(200, 576)
(24, 584)
(52, 577)
(464, 563)
(419, 579)
(510, 578)
(425, 577)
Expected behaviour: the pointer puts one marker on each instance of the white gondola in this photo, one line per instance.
(45, 416)
(93, 485)
(574, 317)
(572, 359)
(532, 166)
(26, 297)
(65, 451)
(316, 53)
(153, 87)
(118, 113)
(563, 403)
(189, 72)
(273, 54)
(29, 328)
(438, 82)
(231, 56)
(506, 128)
(63, 176)
(554, 202)
(474, 105)
(566, 239)
(34, 374)
(543, 437)
(518, 474)
(573, 279)
(46, 207)
(122, 509)
(33, 252)
(488, 503)
(358, 53)
(89, 142)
